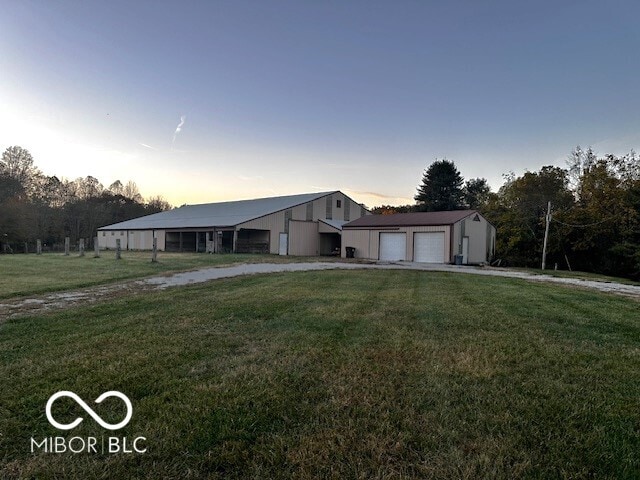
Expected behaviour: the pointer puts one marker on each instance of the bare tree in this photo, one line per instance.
(17, 163)
(131, 191)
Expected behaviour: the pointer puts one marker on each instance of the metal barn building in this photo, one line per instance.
(431, 237)
(307, 224)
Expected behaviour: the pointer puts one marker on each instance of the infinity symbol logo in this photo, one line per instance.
(88, 409)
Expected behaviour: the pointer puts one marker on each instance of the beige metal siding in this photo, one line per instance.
(477, 233)
(338, 213)
(320, 208)
(303, 238)
(366, 241)
(102, 239)
(358, 239)
(300, 212)
(456, 241)
(134, 240)
(274, 223)
(355, 209)
(109, 241)
(324, 228)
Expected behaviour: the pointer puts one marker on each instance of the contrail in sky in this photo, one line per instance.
(179, 127)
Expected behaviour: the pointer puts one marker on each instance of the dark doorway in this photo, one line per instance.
(180, 242)
(330, 244)
(252, 241)
(225, 241)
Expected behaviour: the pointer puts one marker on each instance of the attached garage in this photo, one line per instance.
(428, 247)
(393, 246)
(429, 237)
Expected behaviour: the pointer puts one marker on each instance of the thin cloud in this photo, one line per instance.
(381, 196)
(148, 146)
(183, 119)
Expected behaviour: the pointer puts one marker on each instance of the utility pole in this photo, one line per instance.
(546, 236)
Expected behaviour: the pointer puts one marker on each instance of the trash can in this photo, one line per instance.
(351, 252)
(458, 259)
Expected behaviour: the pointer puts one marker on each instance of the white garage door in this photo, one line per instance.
(428, 247)
(393, 246)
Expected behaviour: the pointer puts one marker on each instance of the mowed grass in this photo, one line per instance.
(336, 374)
(32, 274)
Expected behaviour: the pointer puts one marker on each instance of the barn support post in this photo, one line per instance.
(67, 242)
(180, 249)
(96, 248)
(118, 249)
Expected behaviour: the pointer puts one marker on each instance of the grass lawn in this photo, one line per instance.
(34, 274)
(335, 374)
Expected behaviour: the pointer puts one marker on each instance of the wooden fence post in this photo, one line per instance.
(118, 250)
(38, 247)
(26, 247)
(81, 247)
(67, 241)
(154, 255)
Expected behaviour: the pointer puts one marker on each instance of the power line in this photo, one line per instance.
(585, 225)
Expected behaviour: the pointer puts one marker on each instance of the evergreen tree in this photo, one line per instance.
(441, 188)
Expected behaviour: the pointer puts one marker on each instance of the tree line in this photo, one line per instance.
(595, 208)
(595, 224)
(36, 206)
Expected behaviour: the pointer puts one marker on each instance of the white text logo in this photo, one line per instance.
(89, 410)
(104, 445)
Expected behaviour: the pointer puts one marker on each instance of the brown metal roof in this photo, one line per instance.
(409, 219)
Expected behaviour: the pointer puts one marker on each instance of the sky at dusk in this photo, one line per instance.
(210, 101)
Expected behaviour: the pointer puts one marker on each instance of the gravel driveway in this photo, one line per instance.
(22, 306)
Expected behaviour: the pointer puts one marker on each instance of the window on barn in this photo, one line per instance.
(476, 218)
(338, 203)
